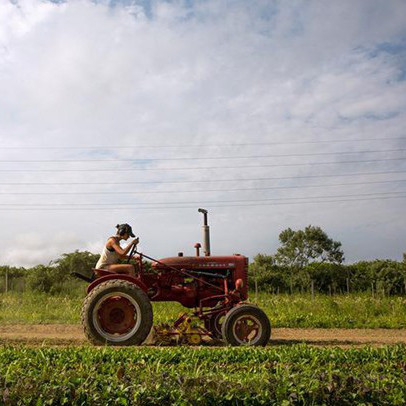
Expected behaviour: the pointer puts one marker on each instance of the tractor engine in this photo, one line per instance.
(199, 281)
(220, 273)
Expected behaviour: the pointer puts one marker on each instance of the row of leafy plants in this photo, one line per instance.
(202, 376)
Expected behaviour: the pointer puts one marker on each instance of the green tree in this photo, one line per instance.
(389, 276)
(13, 277)
(55, 278)
(78, 261)
(267, 274)
(301, 248)
(42, 278)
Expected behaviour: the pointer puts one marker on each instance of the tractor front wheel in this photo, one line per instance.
(117, 312)
(213, 324)
(246, 325)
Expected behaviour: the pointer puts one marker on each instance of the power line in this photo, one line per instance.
(203, 168)
(200, 158)
(206, 202)
(110, 147)
(211, 206)
(204, 180)
(204, 190)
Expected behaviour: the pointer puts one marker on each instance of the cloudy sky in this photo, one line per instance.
(271, 114)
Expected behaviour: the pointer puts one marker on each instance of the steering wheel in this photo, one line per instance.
(132, 251)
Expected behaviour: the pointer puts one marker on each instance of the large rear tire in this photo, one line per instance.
(246, 325)
(117, 312)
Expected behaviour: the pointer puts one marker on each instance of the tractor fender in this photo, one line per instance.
(123, 277)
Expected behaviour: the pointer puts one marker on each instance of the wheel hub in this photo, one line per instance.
(116, 315)
(247, 328)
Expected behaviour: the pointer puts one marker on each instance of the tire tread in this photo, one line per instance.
(145, 305)
(226, 328)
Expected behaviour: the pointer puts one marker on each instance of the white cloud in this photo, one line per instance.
(86, 73)
(33, 248)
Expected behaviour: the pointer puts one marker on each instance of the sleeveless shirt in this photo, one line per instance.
(107, 257)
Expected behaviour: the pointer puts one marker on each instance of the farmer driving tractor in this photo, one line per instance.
(112, 251)
(117, 309)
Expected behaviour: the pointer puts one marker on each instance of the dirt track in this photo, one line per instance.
(71, 334)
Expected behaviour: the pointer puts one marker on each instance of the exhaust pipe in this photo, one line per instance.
(206, 233)
(197, 246)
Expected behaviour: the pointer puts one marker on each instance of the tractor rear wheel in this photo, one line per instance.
(117, 312)
(246, 325)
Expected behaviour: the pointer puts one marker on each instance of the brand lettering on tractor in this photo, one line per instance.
(217, 265)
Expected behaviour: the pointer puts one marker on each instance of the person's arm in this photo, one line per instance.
(128, 257)
(120, 251)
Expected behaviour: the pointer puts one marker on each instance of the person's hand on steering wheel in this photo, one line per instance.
(133, 245)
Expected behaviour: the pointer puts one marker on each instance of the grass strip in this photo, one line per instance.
(295, 311)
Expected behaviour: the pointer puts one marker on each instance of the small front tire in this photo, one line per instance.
(246, 325)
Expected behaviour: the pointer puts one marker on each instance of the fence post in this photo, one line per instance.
(312, 288)
(348, 285)
(6, 288)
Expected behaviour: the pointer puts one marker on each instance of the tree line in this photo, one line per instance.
(53, 278)
(380, 277)
(307, 260)
(310, 261)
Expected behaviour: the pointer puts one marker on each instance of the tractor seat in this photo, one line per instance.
(101, 272)
(92, 275)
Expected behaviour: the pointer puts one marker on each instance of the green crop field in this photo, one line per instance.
(353, 311)
(226, 376)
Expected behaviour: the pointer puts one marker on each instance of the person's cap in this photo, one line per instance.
(126, 229)
(129, 230)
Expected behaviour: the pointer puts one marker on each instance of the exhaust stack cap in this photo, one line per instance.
(197, 246)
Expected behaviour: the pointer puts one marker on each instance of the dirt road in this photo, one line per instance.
(72, 334)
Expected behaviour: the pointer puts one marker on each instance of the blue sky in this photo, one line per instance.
(291, 75)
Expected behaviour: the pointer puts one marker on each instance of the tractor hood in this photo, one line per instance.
(211, 262)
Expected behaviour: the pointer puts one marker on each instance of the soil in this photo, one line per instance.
(72, 334)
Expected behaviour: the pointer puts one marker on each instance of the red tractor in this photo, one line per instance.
(117, 309)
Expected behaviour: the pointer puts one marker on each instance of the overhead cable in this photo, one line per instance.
(198, 202)
(227, 206)
(198, 158)
(204, 168)
(133, 192)
(241, 144)
(217, 180)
